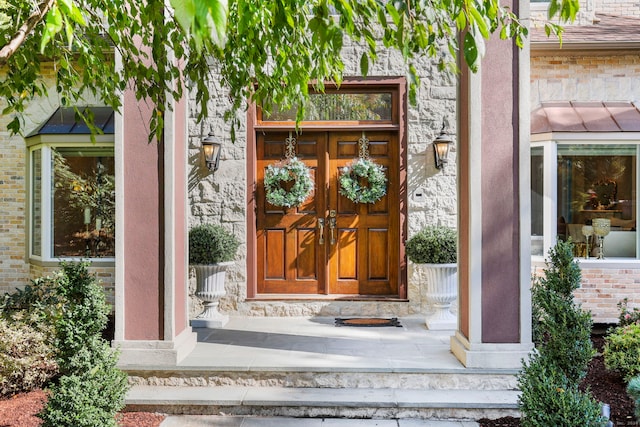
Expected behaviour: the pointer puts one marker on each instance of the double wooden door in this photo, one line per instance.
(329, 245)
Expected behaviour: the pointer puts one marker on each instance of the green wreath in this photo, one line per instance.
(363, 181)
(284, 172)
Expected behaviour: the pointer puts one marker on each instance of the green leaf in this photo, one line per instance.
(479, 21)
(76, 16)
(53, 25)
(68, 32)
(393, 12)
(554, 7)
(184, 11)
(470, 51)
(364, 64)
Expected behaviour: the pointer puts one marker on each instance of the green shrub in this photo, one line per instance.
(634, 391)
(562, 273)
(90, 397)
(433, 245)
(549, 398)
(27, 361)
(622, 350)
(627, 316)
(92, 389)
(211, 244)
(39, 303)
(566, 333)
(562, 330)
(562, 333)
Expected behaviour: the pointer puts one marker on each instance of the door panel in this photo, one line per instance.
(369, 233)
(361, 257)
(289, 261)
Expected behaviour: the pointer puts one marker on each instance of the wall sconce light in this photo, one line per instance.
(441, 148)
(211, 151)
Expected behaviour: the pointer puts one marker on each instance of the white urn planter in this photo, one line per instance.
(210, 288)
(441, 291)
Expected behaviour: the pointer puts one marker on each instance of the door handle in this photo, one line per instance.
(332, 226)
(321, 227)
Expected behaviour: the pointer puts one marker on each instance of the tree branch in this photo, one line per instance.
(25, 29)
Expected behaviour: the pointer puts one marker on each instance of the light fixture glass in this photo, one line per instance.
(441, 148)
(211, 151)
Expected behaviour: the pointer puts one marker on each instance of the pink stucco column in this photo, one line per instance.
(151, 225)
(494, 213)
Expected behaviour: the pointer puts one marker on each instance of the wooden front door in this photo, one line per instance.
(329, 245)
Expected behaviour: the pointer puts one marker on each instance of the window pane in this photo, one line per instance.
(36, 202)
(537, 198)
(83, 203)
(340, 107)
(598, 181)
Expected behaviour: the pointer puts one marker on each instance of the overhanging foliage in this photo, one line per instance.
(263, 50)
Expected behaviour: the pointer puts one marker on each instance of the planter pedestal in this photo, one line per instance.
(442, 290)
(210, 288)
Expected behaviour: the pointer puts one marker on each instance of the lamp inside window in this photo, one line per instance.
(211, 150)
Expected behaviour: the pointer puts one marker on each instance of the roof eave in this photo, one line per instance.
(593, 47)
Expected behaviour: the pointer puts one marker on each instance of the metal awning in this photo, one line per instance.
(64, 121)
(573, 116)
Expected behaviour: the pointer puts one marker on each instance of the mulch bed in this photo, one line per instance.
(20, 411)
(606, 386)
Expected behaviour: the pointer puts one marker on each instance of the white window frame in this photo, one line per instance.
(45, 143)
(550, 142)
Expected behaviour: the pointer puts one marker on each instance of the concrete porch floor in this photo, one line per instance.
(299, 342)
(308, 368)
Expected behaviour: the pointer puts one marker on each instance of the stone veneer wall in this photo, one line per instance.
(585, 78)
(221, 199)
(15, 269)
(602, 289)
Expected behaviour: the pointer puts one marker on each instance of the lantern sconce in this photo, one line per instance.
(211, 151)
(441, 148)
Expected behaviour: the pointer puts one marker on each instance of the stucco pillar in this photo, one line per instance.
(151, 223)
(494, 328)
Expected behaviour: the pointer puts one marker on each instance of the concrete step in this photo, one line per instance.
(240, 421)
(369, 403)
(309, 377)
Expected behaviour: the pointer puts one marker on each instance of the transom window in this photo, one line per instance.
(374, 103)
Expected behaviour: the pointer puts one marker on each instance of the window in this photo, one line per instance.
(573, 183)
(72, 188)
(341, 107)
(371, 102)
(72, 202)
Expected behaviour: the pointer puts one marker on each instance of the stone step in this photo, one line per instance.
(379, 403)
(250, 421)
(336, 378)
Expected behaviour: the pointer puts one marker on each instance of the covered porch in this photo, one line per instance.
(308, 367)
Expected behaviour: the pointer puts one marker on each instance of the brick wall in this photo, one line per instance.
(585, 78)
(602, 289)
(15, 269)
(618, 7)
